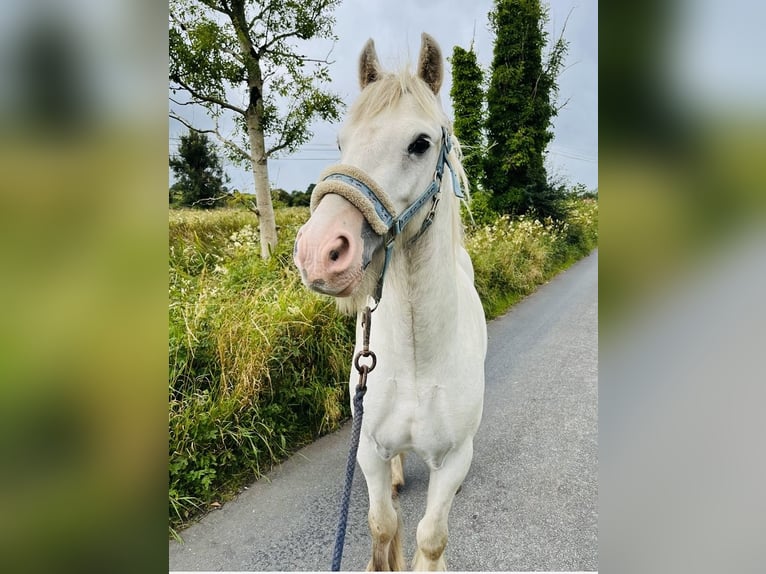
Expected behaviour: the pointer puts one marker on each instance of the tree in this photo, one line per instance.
(467, 95)
(520, 107)
(224, 52)
(198, 171)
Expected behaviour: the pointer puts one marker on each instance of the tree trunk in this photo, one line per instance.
(266, 221)
(254, 121)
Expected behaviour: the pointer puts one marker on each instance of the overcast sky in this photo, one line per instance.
(396, 25)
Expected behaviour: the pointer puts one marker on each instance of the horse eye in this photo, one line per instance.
(419, 146)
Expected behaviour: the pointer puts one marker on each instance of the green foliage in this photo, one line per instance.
(480, 211)
(301, 198)
(580, 190)
(258, 365)
(254, 49)
(199, 174)
(467, 95)
(250, 60)
(520, 107)
(513, 255)
(282, 198)
(581, 224)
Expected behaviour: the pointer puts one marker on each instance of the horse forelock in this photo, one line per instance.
(386, 92)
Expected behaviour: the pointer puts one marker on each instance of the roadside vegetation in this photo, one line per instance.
(259, 366)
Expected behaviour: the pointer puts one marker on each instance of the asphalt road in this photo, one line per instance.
(529, 502)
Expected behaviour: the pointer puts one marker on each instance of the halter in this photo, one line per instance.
(376, 206)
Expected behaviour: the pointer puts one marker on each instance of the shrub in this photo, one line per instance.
(582, 224)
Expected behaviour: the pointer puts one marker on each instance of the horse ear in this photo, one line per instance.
(369, 67)
(430, 67)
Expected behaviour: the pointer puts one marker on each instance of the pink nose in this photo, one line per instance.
(328, 248)
(322, 261)
(325, 262)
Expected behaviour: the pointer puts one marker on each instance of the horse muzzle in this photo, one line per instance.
(333, 248)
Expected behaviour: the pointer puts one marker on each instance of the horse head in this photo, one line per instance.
(394, 141)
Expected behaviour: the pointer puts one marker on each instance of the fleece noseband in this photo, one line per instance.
(375, 204)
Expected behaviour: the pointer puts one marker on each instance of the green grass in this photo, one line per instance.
(511, 257)
(258, 365)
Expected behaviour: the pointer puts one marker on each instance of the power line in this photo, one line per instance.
(561, 151)
(574, 155)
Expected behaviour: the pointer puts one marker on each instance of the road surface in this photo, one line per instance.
(529, 502)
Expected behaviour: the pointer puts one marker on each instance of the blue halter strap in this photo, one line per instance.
(396, 224)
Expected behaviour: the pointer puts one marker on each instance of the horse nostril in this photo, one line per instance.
(338, 249)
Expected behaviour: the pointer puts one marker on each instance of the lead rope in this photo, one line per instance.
(356, 427)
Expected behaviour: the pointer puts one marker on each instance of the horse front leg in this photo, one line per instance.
(384, 516)
(397, 474)
(432, 531)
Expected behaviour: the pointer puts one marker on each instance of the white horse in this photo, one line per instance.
(372, 212)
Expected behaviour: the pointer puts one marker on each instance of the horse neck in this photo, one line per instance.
(421, 293)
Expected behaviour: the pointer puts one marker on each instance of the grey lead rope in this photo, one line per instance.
(356, 427)
(340, 534)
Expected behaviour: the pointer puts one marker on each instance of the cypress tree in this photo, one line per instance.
(520, 107)
(468, 102)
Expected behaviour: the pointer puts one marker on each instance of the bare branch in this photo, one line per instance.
(210, 200)
(302, 58)
(561, 107)
(189, 103)
(265, 75)
(560, 41)
(565, 68)
(207, 98)
(566, 21)
(230, 144)
(237, 55)
(265, 48)
(327, 57)
(180, 23)
(217, 133)
(259, 16)
(274, 149)
(174, 116)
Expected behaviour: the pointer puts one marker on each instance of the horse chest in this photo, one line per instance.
(401, 416)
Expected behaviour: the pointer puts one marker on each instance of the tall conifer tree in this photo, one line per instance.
(520, 107)
(467, 95)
